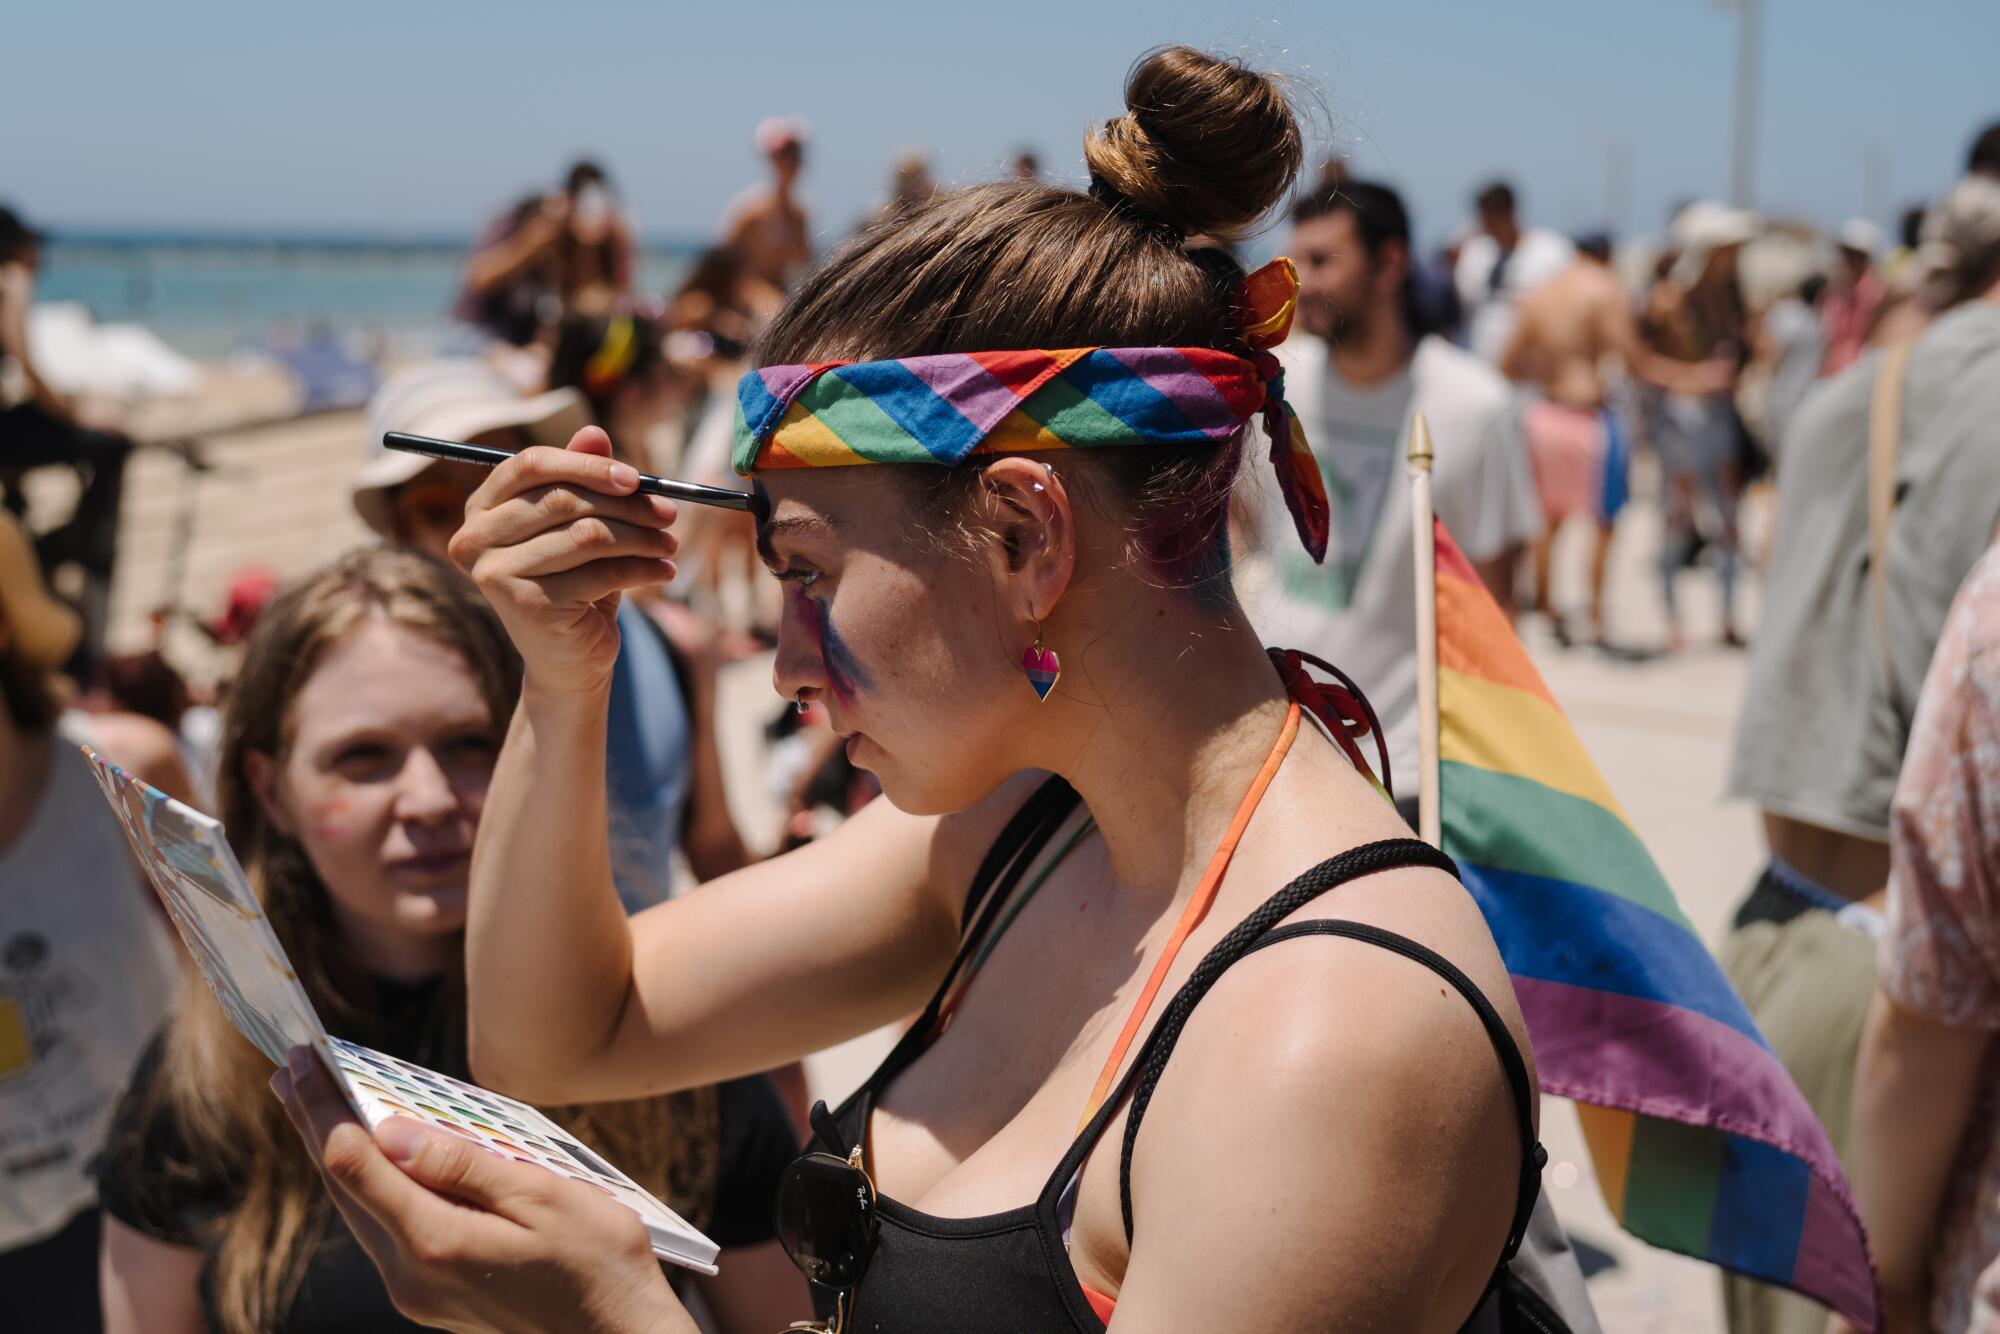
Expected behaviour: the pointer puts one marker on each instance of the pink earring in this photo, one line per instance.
(1041, 666)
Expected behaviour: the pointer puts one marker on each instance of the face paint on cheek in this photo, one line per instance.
(845, 675)
(329, 817)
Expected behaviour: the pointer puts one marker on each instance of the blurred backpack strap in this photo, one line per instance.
(1885, 432)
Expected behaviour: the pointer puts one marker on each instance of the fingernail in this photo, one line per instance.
(401, 1138)
(281, 1084)
(624, 474)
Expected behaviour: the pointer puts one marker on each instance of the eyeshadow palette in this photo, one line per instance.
(212, 906)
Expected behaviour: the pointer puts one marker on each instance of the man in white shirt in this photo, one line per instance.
(1499, 265)
(1356, 368)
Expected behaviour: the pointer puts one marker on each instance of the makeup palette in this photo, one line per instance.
(218, 916)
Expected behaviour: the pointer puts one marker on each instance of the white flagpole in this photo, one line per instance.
(1423, 547)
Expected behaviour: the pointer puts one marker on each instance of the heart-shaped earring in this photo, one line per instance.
(1041, 666)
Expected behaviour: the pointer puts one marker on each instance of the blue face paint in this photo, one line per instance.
(845, 675)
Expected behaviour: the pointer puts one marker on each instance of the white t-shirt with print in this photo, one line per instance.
(1358, 610)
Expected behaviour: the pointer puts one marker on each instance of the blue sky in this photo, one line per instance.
(421, 117)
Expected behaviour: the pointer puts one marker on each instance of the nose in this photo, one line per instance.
(424, 794)
(799, 670)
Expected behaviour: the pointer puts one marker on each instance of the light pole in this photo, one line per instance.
(1749, 58)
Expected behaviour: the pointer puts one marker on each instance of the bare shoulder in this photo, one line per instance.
(1339, 1121)
(1356, 1010)
(143, 748)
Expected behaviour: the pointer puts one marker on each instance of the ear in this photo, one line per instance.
(261, 768)
(1033, 516)
(1392, 266)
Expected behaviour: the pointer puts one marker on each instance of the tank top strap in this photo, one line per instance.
(1260, 930)
(1020, 842)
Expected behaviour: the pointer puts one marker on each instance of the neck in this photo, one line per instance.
(24, 771)
(1176, 711)
(389, 951)
(1375, 351)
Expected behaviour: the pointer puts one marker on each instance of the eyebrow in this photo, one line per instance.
(804, 523)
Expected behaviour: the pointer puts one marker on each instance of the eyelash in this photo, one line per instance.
(803, 578)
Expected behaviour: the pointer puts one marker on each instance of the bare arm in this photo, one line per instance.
(1914, 1091)
(146, 749)
(759, 1290)
(1621, 335)
(148, 1286)
(497, 263)
(570, 1001)
(17, 293)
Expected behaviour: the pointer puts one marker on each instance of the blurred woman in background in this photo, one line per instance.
(356, 751)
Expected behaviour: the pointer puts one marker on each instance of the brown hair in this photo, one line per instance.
(1206, 147)
(211, 1086)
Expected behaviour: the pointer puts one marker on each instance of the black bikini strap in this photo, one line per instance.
(1533, 1155)
(1012, 853)
(1023, 836)
(1258, 931)
(1334, 871)
(1261, 929)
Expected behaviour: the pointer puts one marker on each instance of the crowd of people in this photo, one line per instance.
(542, 641)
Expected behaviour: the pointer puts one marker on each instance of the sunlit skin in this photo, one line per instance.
(873, 617)
(390, 750)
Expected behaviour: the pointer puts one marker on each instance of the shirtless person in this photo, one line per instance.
(1572, 330)
(769, 226)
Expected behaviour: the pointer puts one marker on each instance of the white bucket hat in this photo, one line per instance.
(1704, 227)
(452, 400)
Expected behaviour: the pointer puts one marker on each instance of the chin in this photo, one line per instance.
(433, 911)
(935, 794)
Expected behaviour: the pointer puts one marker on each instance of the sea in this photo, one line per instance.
(211, 295)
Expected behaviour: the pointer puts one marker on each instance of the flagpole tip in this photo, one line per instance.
(1420, 442)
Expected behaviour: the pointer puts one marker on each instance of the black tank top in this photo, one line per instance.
(1009, 1273)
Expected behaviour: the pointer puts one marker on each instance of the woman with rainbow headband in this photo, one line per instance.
(1096, 779)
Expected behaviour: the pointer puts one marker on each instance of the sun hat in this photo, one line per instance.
(453, 399)
(1704, 227)
(40, 630)
(1860, 235)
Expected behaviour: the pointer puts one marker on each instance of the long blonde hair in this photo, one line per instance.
(212, 1086)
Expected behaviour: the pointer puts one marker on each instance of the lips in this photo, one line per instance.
(428, 865)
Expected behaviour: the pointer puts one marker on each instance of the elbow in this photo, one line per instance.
(504, 1071)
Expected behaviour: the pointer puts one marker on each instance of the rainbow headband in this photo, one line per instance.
(945, 409)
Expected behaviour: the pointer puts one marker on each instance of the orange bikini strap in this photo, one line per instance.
(1197, 908)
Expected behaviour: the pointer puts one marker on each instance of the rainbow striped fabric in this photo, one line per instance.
(946, 408)
(1702, 1142)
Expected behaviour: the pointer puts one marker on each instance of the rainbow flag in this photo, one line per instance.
(1703, 1144)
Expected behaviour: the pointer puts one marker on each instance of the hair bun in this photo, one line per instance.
(1206, 145)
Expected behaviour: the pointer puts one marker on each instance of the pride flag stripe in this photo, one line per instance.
(1499, 813)
(1702, 1142)
(1609, 945)
(1505, 730)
